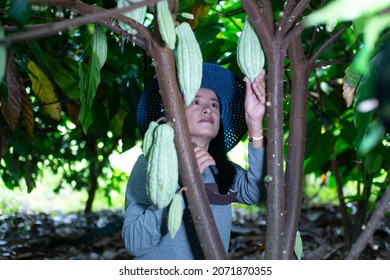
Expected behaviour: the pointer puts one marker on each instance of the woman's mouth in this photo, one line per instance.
(207, 120)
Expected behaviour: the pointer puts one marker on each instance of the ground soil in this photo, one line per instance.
(97, 236)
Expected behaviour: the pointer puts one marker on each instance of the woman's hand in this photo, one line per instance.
(255, 102)
(204, 158)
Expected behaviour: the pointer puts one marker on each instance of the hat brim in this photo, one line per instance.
(230, 90)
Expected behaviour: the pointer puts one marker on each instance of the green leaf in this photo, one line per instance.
(372, 163)
(62, 77)
(353, 77)
(372, 31)
(345, 10)
(88, 91)
(99, 44)
(40, 56)
(375, 134)
(364, 91)
(298, 246)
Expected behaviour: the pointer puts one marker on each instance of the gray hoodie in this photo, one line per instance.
(145, 233)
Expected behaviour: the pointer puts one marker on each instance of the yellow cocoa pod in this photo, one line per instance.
(166, 24)
(148, 139)
(250, 55)
(162, 167)
(175, 214)
(138, 15)
(189, 62)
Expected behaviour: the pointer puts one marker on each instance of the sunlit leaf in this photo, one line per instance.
(345, 10)
(11, 107)
(372, 30)
(44, 90)
(371, 139)
(352, 76)
(99, 44)
(298, 246)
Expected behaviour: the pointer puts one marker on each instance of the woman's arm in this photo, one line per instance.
(143, 224)
(249, 183)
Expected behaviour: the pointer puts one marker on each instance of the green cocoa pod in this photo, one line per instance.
(166, 24)
(175, 214)
(162, 167)
(250, 55)
(189, 62)
(138, 15)
(148, 139)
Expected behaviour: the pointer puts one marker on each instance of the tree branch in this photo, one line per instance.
(268, 13)
(372, 225)
(294, 16)
(97, 15)
(319, 64)
(343, 207)
(260, 23)
(327, 43)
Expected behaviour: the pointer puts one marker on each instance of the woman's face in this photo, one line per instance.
(203, 117)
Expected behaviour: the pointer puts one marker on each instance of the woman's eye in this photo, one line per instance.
(215, 105)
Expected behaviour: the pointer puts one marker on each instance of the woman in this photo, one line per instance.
(224, 109)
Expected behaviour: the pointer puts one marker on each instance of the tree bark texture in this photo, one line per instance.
(275, 159)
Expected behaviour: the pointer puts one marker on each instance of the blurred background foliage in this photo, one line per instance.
(42, 155)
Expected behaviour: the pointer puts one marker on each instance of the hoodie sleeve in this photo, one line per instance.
(249, 183)
(142, 226)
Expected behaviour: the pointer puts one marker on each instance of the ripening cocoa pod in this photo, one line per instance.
(166, 24)
(189, 62)
(138, 15)
(250, 55)
(162, 167)
(148, 139)
(175, 214)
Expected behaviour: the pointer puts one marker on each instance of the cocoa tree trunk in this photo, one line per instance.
(296, 143)
(275, 159)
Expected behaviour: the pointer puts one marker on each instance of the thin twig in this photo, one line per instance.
(373, 223)
(328, 42)
(96, 17)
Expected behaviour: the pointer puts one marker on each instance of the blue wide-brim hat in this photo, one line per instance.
(230, 90)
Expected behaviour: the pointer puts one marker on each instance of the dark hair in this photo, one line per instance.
(226, 170)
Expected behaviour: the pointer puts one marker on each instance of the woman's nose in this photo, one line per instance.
(206, 110)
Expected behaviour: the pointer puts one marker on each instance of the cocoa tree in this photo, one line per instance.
(284, 188)
(280, 29)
